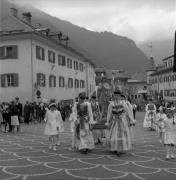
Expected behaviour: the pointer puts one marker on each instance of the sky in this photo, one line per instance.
(140, 20)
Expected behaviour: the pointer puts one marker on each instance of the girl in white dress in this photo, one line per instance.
(54, 125)
(150, 116)
(160, 117)
(169, 135)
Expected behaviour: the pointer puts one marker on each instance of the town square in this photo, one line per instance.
(26, 156)
(87, 90)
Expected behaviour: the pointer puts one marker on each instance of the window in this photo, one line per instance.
(69, 63)
(81, 67)
(9, 80)
(82, 84)
(70, 83)
(76, 83)
(75, 65)
(61, 60)
(41, 79)
(40, 53)
(51, 56)
(61, 81)
(52, 81)
(9, 52)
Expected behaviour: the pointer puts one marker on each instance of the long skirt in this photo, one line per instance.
(119, 136)
(83, 138)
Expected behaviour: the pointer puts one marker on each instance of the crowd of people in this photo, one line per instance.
(84, 114)
(162, 119)
(13, 113)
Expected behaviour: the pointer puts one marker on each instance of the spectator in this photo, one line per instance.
(27, 111)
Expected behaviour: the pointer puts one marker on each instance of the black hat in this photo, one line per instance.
(117, 92)
(93, 96)
(82, 95)
(122, 95)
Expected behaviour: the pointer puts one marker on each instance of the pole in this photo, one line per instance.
(174, 66)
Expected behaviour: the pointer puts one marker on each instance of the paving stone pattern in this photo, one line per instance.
(25, 156)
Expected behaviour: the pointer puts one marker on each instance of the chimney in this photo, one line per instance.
(14, 11)
(27, 17)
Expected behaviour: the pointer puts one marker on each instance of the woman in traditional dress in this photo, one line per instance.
(83, 136)
(150, 116)
(118, 140)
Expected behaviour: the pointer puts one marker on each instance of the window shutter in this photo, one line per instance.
(78, 83)
(49, 56)
(44, 81)
(54, 81)
(43, 54)
(37, 52)
(16, 80)
(53, 57)
(50, 79)
(14, 52)
(1, 52)
(3, 80)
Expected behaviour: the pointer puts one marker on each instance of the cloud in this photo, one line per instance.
(139, 20)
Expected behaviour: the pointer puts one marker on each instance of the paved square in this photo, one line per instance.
(25, 156)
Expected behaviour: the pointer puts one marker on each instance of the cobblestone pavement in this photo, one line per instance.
(25, 156)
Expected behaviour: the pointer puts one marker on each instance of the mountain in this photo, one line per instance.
(104, 48)
(161, 49)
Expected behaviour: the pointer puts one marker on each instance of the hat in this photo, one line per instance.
(117, 92)
(52, 104)
(82, 95)
(122, 95)
(93, 96)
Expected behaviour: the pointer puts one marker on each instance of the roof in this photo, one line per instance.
(169, 69)
(168, 57)
(12, 25)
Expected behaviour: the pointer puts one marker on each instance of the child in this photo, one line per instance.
(54, 125)
(150, 115)
(160, 117)
(169, 135)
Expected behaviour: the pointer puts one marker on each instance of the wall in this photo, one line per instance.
(22, 66)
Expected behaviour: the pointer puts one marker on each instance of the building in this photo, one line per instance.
(162, 81)
(115, 79)
(137, 90)
(36, 63)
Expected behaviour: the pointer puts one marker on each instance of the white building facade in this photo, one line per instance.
(33, 64)
(162, 82)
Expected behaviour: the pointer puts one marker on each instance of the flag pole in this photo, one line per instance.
(174, 66)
